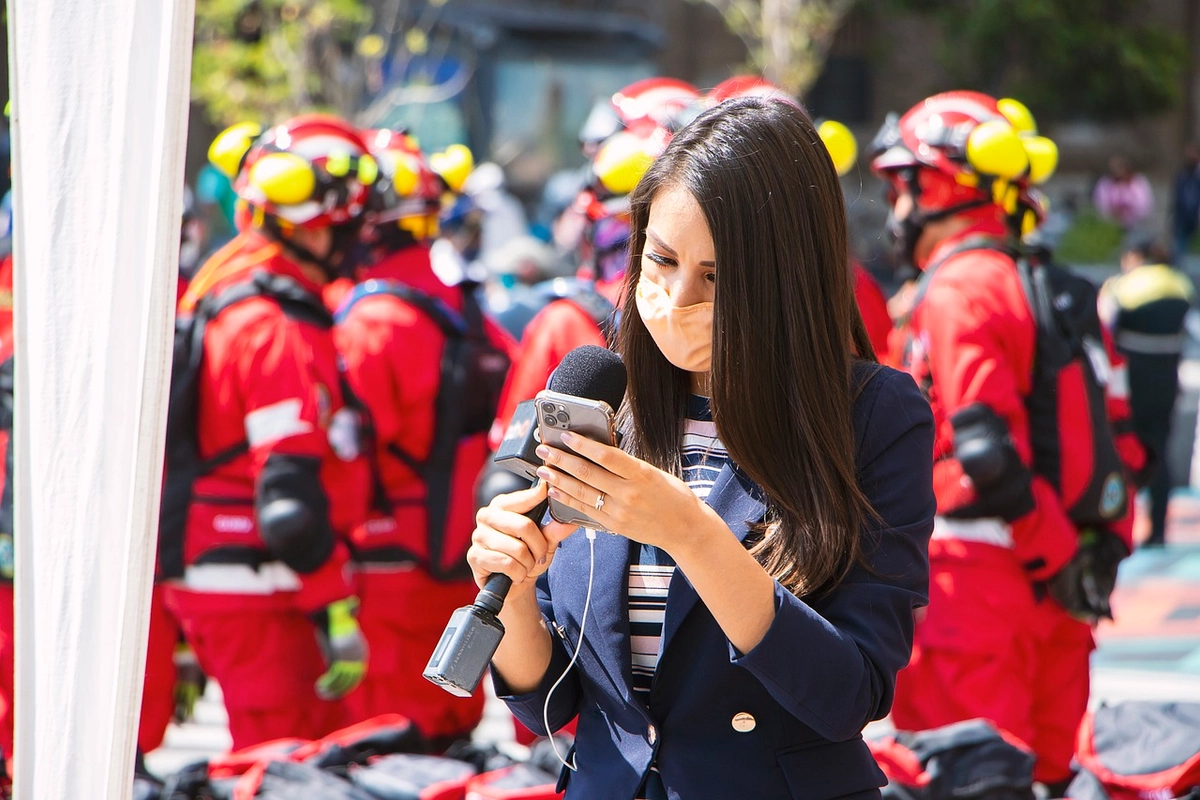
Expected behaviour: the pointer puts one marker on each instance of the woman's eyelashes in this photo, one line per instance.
(663, 262)
(660, 260)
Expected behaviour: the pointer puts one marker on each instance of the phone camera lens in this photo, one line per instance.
(551, 420)
(564, 418)
(548, 408)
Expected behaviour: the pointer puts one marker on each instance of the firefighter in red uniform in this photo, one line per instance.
(267, 596)
(993, 642)
(392, 345)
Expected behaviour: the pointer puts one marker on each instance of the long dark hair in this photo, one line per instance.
(786, 332)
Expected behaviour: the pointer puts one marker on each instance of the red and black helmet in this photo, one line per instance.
(408, 193)
(312, 171)
(663, 101)
(980, 148)
(746, 86)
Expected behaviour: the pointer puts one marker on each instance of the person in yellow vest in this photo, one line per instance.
(1144, 307)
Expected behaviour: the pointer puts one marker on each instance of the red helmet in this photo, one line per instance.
(746, 86)
(312, 171)
(408, 192)
(958, 151)
(659, 100)
(987, 148)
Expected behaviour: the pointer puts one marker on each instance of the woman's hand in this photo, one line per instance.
(640, 501)
(507, 541)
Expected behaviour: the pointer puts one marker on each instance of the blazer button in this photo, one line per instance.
(652, 735)
(743, 722)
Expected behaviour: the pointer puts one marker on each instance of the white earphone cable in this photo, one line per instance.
(587, 602)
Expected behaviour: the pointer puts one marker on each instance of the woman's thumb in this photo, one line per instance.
(522, 501)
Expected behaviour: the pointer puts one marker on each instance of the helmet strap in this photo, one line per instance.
(906, 232)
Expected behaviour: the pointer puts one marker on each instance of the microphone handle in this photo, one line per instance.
(495, 589)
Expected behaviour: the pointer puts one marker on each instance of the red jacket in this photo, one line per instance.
(972, 340)
(873, 307)
(272, 381)
(392, 352)
(557, 329)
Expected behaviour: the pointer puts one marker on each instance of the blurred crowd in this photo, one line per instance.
(358, 320)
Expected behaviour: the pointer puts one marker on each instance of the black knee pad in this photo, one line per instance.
(293, 512)
(984, 447)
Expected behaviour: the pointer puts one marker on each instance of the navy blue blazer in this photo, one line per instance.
(785, 719)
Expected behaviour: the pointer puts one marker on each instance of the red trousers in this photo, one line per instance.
(987, 647)
(264, 654)
(7, 684)
(158, 689)
(403, 614)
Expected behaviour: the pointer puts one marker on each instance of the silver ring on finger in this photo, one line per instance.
(600, 502)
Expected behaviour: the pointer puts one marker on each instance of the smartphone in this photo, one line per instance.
(594, 419)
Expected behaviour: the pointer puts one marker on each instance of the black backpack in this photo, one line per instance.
(968, 760)
(1138, 749)
(284, 780)
(1073, 442)
(184, 462)
(472, 376)
(1068, 409)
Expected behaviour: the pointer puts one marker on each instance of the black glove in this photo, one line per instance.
(1084, 585)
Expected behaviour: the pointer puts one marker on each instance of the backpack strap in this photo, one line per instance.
(294, 300)
(448, 430)
(436, 470)
(451, 322)
(972, 243)
(583, 295)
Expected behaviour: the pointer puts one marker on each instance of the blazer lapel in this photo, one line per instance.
(739, 503)
(607, 628)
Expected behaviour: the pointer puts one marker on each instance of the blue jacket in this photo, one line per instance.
(825, 668)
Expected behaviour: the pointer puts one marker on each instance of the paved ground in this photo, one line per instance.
(1156, 634)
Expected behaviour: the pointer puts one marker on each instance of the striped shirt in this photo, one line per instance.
(650, 573)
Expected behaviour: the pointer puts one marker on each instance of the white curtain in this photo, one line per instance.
(100, 92)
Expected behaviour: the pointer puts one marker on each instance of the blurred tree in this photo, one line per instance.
(787, 40)
(267, 59)
(1094, 59)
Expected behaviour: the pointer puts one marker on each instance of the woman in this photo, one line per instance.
(774, 489)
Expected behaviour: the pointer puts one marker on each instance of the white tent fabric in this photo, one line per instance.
(100, 92)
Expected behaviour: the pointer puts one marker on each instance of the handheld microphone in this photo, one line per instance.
(474, 632)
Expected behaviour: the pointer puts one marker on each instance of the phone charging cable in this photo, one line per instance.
(591, 537)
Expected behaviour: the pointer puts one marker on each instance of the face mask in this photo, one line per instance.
(684, 335)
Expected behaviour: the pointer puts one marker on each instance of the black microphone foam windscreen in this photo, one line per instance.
(593, 372)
